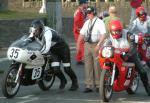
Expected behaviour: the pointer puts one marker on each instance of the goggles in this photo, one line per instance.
(115, 32)
(142, 13)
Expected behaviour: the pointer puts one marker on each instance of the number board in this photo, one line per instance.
(36, 73)
(14, 53)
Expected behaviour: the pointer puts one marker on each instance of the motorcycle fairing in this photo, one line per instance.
(125, 78)
(22, 50)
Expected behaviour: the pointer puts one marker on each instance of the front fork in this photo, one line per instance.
(18, 73)
(113, 74)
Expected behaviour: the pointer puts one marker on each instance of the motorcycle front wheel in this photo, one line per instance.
(9, 87)
(47, 81)
(106, 89)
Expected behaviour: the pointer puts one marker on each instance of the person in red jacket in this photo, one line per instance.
(79, 19)
(134, 4)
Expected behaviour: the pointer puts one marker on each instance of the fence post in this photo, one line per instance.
(54, 12)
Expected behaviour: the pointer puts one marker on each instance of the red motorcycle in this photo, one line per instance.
(143, 48)
(117, 75)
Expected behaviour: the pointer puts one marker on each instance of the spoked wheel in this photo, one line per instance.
(9, 86)
(47, 81)
(133, 88)
(106, 89)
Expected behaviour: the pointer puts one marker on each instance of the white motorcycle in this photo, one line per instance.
(28, 67)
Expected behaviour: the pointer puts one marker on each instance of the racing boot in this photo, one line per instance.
(73, 78)
(62, 78)
(147, 88)
(144, 79)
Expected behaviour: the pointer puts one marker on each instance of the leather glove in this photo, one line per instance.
(124, 56)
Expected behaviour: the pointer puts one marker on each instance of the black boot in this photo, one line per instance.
(144, 79)
(73, 78)
(147, 88)
(62, 78)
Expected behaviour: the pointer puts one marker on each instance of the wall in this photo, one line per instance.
(3, 4)
(11, 30)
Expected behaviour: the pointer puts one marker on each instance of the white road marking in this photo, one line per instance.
(24, 97)
(29, 100)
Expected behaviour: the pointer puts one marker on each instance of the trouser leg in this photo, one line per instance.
(89, 67)
(55, 64)
(73, 78)
(61, 77)
(144, 78)
(63, 52)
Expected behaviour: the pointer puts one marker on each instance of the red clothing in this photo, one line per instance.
(135, 3)
(79, 18)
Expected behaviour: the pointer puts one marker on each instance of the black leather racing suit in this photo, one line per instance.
(53, 43)
(133, 57)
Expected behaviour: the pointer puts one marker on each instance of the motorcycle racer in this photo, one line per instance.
(121, 38)
(142, 23)
(52, 42)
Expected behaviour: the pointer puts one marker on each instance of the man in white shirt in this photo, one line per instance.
(93, 33)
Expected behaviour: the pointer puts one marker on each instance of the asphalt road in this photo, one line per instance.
(32, 94)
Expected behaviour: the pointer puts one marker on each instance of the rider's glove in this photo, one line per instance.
(124, 56)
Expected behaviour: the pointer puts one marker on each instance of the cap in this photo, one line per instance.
(90, 9)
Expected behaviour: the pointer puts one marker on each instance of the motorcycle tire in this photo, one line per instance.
(105, 90)
(9, 87)
(46, 83)
(134, 86)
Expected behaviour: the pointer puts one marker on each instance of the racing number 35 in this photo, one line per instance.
(14, 53)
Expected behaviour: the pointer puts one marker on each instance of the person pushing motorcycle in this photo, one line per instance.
(53, 43)
(121, 38)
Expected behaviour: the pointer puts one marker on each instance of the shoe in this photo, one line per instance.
(87, 90)
(62, 84)
(80, 63)
(74, 87)
(97, 90)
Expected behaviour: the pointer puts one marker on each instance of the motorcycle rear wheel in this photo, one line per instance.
(47, 81)
(134, 86)
(9, 87)
(106, 89)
